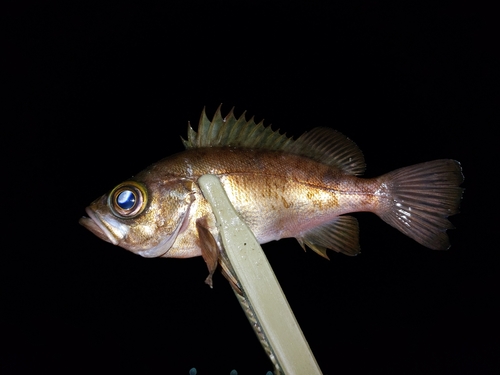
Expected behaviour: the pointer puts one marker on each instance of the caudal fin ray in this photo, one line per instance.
(441, 199)
(420, 198)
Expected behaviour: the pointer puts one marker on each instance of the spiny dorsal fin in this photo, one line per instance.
(321, 144)
(234, 132)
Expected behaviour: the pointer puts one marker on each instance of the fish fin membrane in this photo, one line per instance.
(230, 131)
(340, 235)
(420, 198)
(324, 145)
(209, 249)
(330, 147)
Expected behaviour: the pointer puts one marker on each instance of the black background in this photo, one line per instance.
(100, 91)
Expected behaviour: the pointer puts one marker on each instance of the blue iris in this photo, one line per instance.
(126, 200)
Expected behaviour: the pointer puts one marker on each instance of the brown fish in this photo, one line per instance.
(280, 187)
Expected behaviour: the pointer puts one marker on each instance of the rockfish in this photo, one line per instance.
(280, 187)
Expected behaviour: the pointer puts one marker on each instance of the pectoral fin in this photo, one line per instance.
(209, 249)
(340, 235)
(228, 272)
(213, 254)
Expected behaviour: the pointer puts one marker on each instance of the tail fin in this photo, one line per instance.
(420, 199)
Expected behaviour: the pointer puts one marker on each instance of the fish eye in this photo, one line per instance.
(127, 200)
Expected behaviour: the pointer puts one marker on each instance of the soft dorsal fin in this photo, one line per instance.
(330, 147)
(324, 145)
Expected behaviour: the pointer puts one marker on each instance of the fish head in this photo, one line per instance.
(144, 217)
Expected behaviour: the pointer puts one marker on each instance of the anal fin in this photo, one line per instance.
(340, 235)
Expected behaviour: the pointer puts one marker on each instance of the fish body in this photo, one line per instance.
(280, 187)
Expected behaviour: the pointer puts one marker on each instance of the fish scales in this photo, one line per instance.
(281, 187)
(277, 194)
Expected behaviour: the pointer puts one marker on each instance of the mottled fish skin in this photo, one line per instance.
(281, 188)
(277, 194)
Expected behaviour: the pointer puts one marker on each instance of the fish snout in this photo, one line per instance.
(101, 228)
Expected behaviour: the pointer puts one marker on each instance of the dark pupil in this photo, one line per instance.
(126, 199)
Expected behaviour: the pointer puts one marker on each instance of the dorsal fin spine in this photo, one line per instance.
(323, 145)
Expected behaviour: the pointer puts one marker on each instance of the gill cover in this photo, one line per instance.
(182, 197)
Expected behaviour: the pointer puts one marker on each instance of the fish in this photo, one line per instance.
(303, 188)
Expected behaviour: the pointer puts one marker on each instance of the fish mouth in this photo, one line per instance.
(94, 224)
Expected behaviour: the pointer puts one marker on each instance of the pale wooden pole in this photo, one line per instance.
(263, 293)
